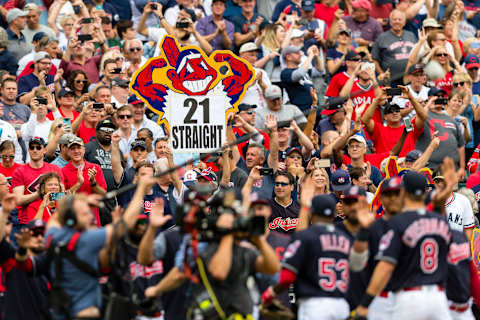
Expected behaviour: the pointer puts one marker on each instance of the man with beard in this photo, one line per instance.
(100, 153)
(23, 289)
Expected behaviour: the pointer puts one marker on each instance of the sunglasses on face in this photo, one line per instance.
(124, 116)
(459, 84)
(355, 59)
(475, 68)
(249, 112)
(283, 184)
(393, 111)
(35, 148)
(38, 232)
(142, 222)
(5, 157)
(441, 55)
(81, 81)
(107, 130)
(135, 49)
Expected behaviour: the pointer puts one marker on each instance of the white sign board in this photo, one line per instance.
(197, 123)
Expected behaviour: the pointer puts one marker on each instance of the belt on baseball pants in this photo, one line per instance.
(460, 307)
(418, 288)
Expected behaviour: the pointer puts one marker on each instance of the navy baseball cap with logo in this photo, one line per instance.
(208, 175)
(392, 184)
(36, 224)
(64, 91)
(334, 104)
(323, 205)
(138, 143)
(340, 180)
(413, 155)
(472, 61)
(308, 5)
(245, 107)
(437, 92)
(133, 99)
(354, 192)
(36, 140)
(107, 123)
(414, 183)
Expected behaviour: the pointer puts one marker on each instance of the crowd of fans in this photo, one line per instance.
(340, 87)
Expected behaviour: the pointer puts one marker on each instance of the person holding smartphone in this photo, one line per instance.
(38, 125)
(51, 191)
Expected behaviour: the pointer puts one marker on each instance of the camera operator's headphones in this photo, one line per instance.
(70, 217)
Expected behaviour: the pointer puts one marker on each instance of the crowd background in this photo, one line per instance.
(340, 87)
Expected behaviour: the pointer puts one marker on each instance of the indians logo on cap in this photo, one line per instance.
(341, 180)
(188, 70)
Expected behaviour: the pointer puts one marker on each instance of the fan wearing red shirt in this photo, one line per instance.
(326, 11)
(385, 137)
(66, 99)
(43, 208)
(86, 123)
(8, 165)
(337, 82)
(25, 179)
(82, 176)
(362, 88)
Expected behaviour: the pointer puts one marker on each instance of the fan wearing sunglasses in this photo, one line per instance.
(8, 164)
(133, 51)
(78, 82)
(352, 59)
(23, 180)
(284, 217)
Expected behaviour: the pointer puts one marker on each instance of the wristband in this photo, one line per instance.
(363, 234)
(22, 251)
(366, 300)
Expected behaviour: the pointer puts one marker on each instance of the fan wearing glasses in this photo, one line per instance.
(124, 121)
(385, 137)
(8, 164)
(284, 217)
(133, 51)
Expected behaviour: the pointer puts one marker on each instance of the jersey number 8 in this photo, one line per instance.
(329, 267)
(429, 256)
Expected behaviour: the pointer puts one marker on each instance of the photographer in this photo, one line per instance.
(227, 265)
(74, 216)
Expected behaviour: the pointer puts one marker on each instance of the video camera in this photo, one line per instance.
(199, 215)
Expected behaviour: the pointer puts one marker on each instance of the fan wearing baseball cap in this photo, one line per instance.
(275, 106)
(360, 22)
(25, 180)
(357, 148)
(83, 176)
(298, 75)
(352, 59)
(336, 116)
(385, 137)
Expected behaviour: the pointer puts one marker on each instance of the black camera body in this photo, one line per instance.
(193, 216)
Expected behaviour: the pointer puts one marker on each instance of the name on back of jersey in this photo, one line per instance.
(423, 227)
(335, 242)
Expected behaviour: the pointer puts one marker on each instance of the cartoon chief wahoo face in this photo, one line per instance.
(192, 74)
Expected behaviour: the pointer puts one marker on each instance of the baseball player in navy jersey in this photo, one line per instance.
(413, 257)
(458, 281)
(382, 306)
(317, 263)
(350, 225)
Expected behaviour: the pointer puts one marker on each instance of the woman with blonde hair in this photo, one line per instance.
(320, 180)
(440, 55)
(274, 40)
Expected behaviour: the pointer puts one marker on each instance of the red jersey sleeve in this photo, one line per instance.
(18, 178)
(333, 88)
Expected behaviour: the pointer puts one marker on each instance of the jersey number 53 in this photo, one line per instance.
(329, 268)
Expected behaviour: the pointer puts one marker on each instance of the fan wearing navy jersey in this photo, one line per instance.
(351, 226)
(277, 240)
(413, 257)
(317, 263)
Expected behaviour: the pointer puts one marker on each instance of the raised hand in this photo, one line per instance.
(271, 122)
(157, 218)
